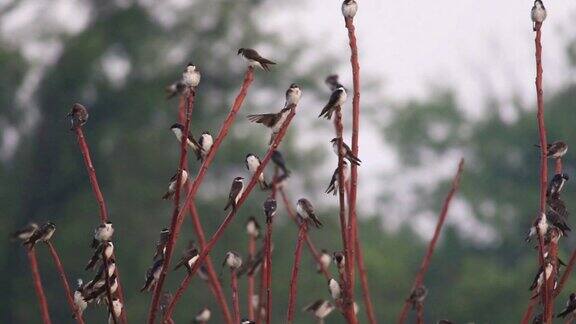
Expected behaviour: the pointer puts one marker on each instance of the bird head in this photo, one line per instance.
(176, 126)
(239, 179)
(240, 50)
(294, 86)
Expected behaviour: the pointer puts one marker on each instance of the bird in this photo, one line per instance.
(346, 151)
(165, 300)
(236, 191)
(191, 76)
(101, 273)
(337, 99)
(538, 14)
(339, 259)
(105, 249)
(172, 184)
(203, 316)
(188, 258)
(557, 184)
(247, 321)
(293, 95)
(152, 275)
(305, 212)
(116, 309)
(99, 289)
(78, 116)
(252, 164)
(102, 233)
(540, 226)
(349, 8)
(323, 261)
(43, 234)
(539, 278)
(279, 161)
(557, 214)
(79, 301)
(570, 306)
(205, 141)
(556, 150)
(332, 82)
(417, 296)
(274, 121)
(161, 244)
(332, 187)
(334, 289)
(25, 232)
(174, 89)
(270, 207)
(178, 130)
(232, 260)
(320, 308)
(254, 59)
(252, 227)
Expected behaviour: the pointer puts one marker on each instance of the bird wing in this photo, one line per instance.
(235, 190)
(307, 206)
(333, 98)
(267, 120)
(314, 305)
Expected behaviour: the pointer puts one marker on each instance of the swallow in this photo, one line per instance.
(334, 289)
(189, 258)
(43, 234)
(161, 245)
(78, 116)
(247, 321)
(232, 260)
(333, 186)
(254, 263)
(101, 274)
(102, 233)
(539, 278)
(172, 184)
(274, 121)
(417, 296)
(346, 151)
(79, 301)
(116, 309)
(332, 82)
(305, 212)
(570, 306)
(191, 76)
(205, 141)
(178, 130)
(203, 316)
(557, 184)
(236, 191)
(203, 273)
(337, 99)
(252, 164)
(340, 260)
(349, 8)
(25, 232)
(320, 308)
(99, 289)
(252, 227)
(152, 275)
(538, 14)
(293, 95)
(279, 161)
(557, 215)
(323, 261)
(105, 249)
(254, 59)
(540, 225)
(176, 88)
(556, 149)
(270, 207)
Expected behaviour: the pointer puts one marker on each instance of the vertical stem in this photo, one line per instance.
(268, 271)
(294, 276)
(38, 286)
(235, 299)
(64, 280)
(428, 256)
(420, 313)
(251, 255)
(528, 313)
(364, 280)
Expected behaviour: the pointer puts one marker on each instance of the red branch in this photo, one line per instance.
(420, 313)
(235, 298)
(363, 279)
(216, 236)
(528, 313)
(428, 256)
(251, 254)
(268, 260)
(38, 286)
(294, 276)
(67, 289)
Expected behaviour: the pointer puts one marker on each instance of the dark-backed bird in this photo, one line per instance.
(203, 316)
(337, 99)
(101, 273)
(538, 14)
(333, 186)
(570, 306)
(540, 225)
(556, 184)
(252, 164)
(254, 59)
(305, 212)
(189, 258)
(172, 184)
(161, 244)
(346, 151)
(270, 207)
(557, 214)
(293, 95)
(247, 321)
(539, 278)
(178, 130)
(340, 260)
(102, 233)
(191, 75)
(78, 116)
(25, 232)
(152, 275)
(233, 260)
(274, 121)
(279, 161)
(320, 308)
(205, 141)
(99, 289)
(252, 227)
(556, 149)
(43, 234)
(349, 8)
(105, 249)
(236, 191)
(417, 296)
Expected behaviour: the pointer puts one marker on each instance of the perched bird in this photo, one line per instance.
(236, 191)
(105, 249)
(101, 274)
(25, 232)
(152, 275)
(332, 82)
(557, 214)
(539, 278)
(334, 289)
(78, 116)
(349, 8)
(203, 316)
(324, 261)
(161, 245)
(247, 321)
(172, 184)
(99, 289)
(191, 76)
(556, 149)
(556, 184)
(205, 141)
(417, 296)
(274, 121)
(116, 309)
(279, 161)
(79, 301)
(305, 212)
(254, 59)
(270, 207)
(252, 164)
(540, 225)
(538, 14)
(320, 308)
(252, 227)
(340, 260)
(232, 260)
(570, 306)
(293, 95)
(346, 151)
(43, 234)
(189, 258)
(174, 89)
(102, 233)
(333, 186)
(178, 130)
(337, 99)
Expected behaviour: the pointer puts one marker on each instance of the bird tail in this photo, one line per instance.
(563, 314)
(228, 205)
(168, 195)
(326, 113)
(263, 185)
(94, 244)
(317, 222)
(354, 159)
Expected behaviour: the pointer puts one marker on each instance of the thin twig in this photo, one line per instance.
(294, 275)
(268, 260)
(420, 313)
(38, 286)
(251, 255)
(528, 313)
(64, 280)
(428, 256)
(235, 297)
